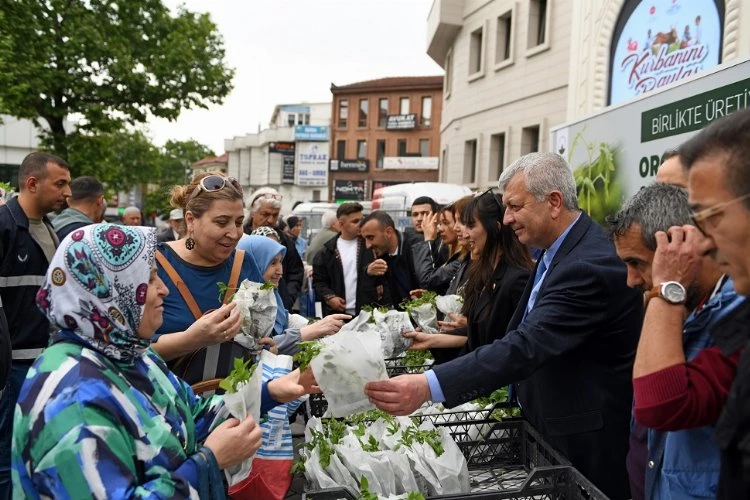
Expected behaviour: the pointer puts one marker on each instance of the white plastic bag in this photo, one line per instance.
(345, 364)
(449, 304)
(397, 323)
(258, 310)
(426, 317)
(243, 404)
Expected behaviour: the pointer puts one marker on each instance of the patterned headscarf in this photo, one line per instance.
(96, 285)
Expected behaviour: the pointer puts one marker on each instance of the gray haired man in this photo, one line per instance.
(672, 464)
(264, 206)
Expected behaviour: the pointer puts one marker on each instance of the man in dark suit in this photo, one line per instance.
(570, 345)
(389, 269)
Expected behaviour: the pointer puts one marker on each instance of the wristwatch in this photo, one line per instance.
(671, 291)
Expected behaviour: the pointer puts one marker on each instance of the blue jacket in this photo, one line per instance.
(685, 464)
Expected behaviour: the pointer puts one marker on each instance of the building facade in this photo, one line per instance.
(514, 69)
(291, 155)
(384, 132)
(17, 139)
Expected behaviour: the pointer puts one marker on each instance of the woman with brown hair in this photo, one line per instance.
(496, 278)
(201, 271)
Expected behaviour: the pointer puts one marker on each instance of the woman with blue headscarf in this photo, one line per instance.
(266, 256)
(100, 414)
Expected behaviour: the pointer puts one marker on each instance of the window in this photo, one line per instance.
(364, 106)
(448, 73)
(470, 161)
(380, 152)
(402, 147)
(340, 150)
(301, 119)
(361, 149)
(504, 38)
(538, 23)
(424, 147)
(426, 117)
(316, 192)
(404, 105)
(530, 139)
(290, 119)
(476, 52)
(382, 112)
(307, 122)
(343, 112)
(497, 156)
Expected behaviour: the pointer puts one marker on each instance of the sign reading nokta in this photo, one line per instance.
(664, 41)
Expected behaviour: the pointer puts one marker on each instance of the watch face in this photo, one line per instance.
(674, 292)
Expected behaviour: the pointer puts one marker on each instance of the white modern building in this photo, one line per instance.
(291, 155)
(17, 139)
(516, 68)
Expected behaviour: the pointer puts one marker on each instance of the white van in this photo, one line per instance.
(397, 199)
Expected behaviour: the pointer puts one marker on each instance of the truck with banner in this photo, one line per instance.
(622, 147)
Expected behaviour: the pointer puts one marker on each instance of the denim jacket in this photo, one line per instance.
(685, 464)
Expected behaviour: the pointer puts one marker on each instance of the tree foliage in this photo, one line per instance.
(176, 158)
(106, 63)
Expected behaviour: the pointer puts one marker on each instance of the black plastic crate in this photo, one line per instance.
(396, 366)
(507, 460)
(319, 405)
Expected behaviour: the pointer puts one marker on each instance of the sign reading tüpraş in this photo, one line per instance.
(310, 133)
(664, 41)
(401, 122)
(312, 164)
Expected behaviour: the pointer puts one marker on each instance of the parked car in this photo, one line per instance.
(397, 199)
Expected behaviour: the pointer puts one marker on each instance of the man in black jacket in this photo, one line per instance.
(264, 207)
(28, 242)
(392, 271)
(570, 345)
(336, 265)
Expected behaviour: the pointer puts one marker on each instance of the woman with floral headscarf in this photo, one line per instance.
(99, 413)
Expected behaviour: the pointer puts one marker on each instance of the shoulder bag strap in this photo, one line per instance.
(181, 286)
(234, 276)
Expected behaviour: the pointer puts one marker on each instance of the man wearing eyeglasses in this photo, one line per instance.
(714, 387)
(664, 462)
(264, 208)
(570, 344)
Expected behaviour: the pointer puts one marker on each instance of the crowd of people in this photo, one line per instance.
(623, 344)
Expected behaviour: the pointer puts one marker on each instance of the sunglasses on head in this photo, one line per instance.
(213, 183)
(267, 196)
(491, 192)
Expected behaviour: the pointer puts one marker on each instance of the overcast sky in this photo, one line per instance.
(288, 51)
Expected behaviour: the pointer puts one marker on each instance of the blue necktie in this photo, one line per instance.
(539, 271)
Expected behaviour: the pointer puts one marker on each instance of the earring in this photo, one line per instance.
(189, 243)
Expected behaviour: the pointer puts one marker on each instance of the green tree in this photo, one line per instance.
(120, 159)
(106, 63)
(176, 158)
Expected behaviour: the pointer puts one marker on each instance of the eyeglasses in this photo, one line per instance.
(213, 183)
(702, 217)
(268, 196)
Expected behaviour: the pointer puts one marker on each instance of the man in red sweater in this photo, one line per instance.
(663, 464)
(714, 387)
